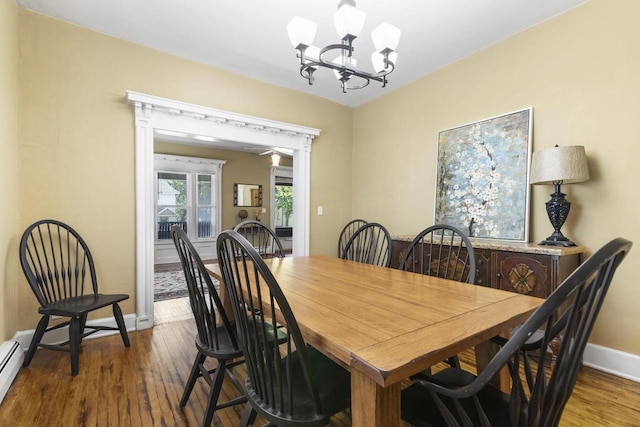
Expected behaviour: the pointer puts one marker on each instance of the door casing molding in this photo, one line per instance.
(154, 113)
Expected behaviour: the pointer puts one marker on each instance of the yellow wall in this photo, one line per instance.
(581, 74)
(77, 138)
(8, 167)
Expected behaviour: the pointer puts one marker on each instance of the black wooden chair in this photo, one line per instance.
(347, 232)
(441, 250)
(444, 251)
(369, 244)
(60, 270)
(215, 336)
(289, 383)
(454, 397)
(262, 237)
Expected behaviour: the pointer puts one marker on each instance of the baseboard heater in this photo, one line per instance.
(11, 357)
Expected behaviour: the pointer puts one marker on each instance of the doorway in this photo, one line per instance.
(208, 127)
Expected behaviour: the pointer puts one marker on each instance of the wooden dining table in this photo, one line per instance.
(385, 325)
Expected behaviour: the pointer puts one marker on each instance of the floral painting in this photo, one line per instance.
(481, 184)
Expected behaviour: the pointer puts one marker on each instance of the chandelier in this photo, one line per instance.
(349, 22)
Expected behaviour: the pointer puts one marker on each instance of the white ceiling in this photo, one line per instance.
(249, 37)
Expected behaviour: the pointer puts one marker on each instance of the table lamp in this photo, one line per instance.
(557, 166)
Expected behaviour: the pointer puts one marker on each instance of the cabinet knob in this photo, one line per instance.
(499, 275)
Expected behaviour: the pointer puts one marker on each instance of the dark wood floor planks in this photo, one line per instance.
(142, 386)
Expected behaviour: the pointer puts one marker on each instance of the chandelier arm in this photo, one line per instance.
(366, 82)
(329, 48)
(309, 66)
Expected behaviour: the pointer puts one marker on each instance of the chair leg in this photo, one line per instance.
(454, 362)
(193, 377)
(83, 323)
(35, 341)
(74, 344)
(117, 314)
(248, 416)
(214, 393)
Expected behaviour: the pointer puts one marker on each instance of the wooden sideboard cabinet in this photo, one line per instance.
(527, 268)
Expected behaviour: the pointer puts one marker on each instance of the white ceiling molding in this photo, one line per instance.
(153, 114)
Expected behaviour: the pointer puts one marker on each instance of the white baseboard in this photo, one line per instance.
(11, 357)
(625, 365)
(62, 334)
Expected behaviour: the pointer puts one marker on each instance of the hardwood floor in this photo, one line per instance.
(171, 310)
(142, 385)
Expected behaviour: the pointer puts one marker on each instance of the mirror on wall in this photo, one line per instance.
(248, 195)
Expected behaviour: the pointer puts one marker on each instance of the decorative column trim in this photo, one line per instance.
(155, 113)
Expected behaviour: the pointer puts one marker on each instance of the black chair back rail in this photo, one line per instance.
(289, 383)
(455, 397)
(369, 244)
(262, 237)
(347, 231)
(441, 250)
(215, 337)
(60, 270)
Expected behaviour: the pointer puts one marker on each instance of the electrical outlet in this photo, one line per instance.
(264, 210)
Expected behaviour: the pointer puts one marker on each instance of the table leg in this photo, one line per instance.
(484, 353)
(373, 405)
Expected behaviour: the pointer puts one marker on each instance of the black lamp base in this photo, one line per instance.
(555, 240)
(558, 210)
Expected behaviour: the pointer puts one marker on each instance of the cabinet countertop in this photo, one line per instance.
(505, 245)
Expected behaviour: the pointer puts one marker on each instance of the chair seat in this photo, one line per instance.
(225, 348)
(419, 409)
(77, 306)
(334, 389)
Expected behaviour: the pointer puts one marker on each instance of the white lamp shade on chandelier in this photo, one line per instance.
(349, 22)
(385, 37)
(301, 32)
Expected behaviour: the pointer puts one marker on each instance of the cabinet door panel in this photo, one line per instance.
(525, 274)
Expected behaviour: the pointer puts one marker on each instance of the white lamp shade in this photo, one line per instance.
(377, 59)
(301, 32)
(348, 21)
(559, 164)
(385, 36)
(275, 159)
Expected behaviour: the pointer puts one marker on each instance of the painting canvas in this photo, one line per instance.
(482, 177)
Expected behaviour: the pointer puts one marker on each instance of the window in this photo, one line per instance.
(187, 196)
(205, 206)
(284, 203)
